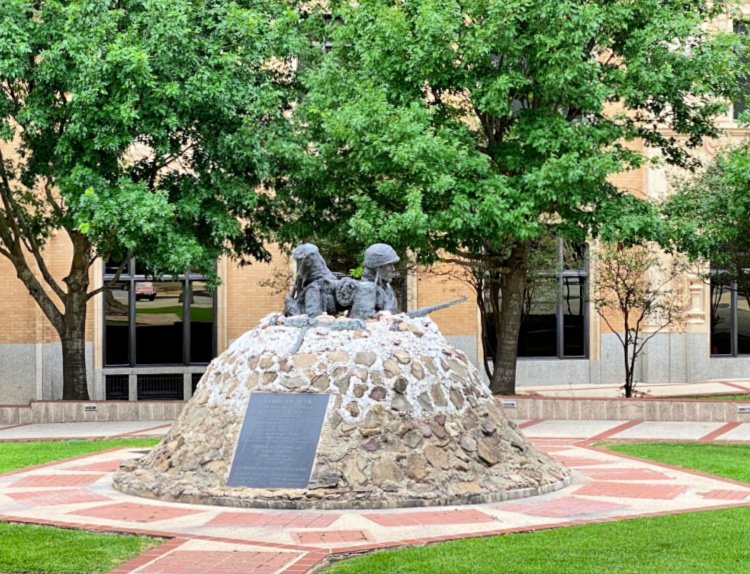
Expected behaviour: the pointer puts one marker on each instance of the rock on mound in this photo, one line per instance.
(410, 424)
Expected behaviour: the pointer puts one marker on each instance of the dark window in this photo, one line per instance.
(116, 387)
(538, 334)
(196, 378)
(730, 318)
(741, 103)
(160, 387)
(201, 305)
(117, 321)
(573, 313)
(145, 319)
(554, 314)
(159, 326)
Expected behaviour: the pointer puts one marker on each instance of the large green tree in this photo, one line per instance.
(469, 129)
(135, 126)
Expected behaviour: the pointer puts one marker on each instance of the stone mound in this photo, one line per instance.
(410, 424)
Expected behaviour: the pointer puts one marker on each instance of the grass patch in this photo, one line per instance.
(740, 397)
(727, 460)
(15, 455)
(46, 550)
(694, 543)
(197, 314)
(41, 549)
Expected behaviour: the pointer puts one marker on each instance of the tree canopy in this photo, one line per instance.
(710, 214)
(137, 127)
(468, 129)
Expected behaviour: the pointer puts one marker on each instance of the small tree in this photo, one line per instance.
(634, 288)
(134, 126)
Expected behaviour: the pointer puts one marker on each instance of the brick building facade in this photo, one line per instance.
(31, 362)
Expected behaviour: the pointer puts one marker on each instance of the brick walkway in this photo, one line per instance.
(605, 486)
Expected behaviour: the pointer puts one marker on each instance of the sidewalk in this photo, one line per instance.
(605, 486)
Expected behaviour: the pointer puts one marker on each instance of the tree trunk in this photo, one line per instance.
(628, 368)
(74, 358)
(73, 332)
(508, 323)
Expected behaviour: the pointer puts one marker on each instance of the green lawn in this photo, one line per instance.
(728, 460)
(695, 543)
(197, 314)
(15, 455)
(740, 397)
(41, 549)
(700, 543)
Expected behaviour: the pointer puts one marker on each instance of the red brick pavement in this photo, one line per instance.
(104, 466)
(633, 490)
(568, 507)
(552, 449)
(721, 494)
(148, 556)
(530, 423)
(722, 430)
(55, 497)
(133, 512)
(42, 480)
(553, 442)
(281, 519)
(576, 462)
(613, 431)
(625, 474)
(331, 536)
(241, 562)
(430, 517)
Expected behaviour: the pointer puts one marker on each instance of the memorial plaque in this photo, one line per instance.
(278, 440)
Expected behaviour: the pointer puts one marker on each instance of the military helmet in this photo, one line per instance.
(378, 255)
(303, 250)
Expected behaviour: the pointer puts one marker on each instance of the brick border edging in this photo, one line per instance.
(149, 555)
(370, 504)
(587, 444)
(338, 554)
(315, 558)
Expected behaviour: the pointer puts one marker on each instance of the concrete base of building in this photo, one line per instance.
(89, 411)
(516, 407)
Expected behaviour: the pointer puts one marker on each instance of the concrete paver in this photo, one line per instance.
(667, 430)
(740, 433)
(47, 431)
(582, 429)
(604, 486)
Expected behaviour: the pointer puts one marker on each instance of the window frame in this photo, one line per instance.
(560, 275)
(733, 320)
(131, 278)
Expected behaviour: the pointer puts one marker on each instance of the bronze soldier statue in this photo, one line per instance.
(314, 284)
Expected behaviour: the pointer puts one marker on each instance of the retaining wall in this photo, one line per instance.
(517, 407)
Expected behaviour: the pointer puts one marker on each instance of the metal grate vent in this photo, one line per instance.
(160, 387)
(116, 387)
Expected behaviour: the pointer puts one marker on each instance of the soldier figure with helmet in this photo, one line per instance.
(315, 286)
